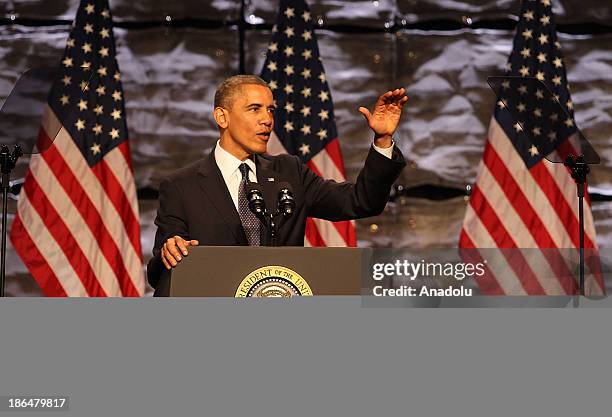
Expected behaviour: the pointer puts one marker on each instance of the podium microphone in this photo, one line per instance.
(255, 198)
(286, 202)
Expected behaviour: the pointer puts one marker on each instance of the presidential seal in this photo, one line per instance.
(273, 281)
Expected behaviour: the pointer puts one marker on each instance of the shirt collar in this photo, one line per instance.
(228, 164)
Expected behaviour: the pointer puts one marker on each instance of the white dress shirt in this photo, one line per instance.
(229, 166)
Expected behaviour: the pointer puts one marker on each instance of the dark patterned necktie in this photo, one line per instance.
(250, 222)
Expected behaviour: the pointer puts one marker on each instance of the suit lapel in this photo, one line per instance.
(267, 178)
(214, 186)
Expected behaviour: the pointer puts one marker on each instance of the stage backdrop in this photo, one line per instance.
(173, 54)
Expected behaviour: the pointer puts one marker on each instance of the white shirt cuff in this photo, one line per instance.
(388, 152)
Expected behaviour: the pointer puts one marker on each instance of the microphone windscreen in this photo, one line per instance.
(253, 186)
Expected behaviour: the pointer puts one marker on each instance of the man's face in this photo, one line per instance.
(250, 121)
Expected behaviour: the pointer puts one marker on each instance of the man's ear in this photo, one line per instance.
(221, 117)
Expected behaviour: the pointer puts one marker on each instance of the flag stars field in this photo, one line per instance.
(304, 120)
(519, 200)
(96, 250)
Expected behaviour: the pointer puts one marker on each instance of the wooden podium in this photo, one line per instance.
(248, 271)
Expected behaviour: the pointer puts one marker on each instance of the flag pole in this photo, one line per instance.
(241, 33)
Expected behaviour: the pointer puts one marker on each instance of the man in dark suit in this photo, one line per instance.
(205, 203)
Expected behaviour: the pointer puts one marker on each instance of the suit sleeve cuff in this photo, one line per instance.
(388, 152)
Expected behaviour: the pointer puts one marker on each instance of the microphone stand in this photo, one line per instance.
(8, 160)
(579, 171)
(272, 229)
(272, 224)
(284, 210)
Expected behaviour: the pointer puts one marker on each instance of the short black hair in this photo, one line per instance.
(225, 94)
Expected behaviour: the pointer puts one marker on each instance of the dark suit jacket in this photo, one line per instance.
(194, 202)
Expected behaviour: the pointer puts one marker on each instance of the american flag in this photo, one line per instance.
(304, 122)
(521, 200)
(77, 227)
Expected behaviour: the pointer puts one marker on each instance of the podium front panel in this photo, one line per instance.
(219, 271)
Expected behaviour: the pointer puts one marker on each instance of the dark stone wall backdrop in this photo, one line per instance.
(442, 51)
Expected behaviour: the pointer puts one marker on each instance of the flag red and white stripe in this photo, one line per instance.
(327, 164)
(77, 223)
(513, 207)
(520, 200)
(304, 119)
(76, 228)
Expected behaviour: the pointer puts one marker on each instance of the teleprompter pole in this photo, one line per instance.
(579, 169)
(7, 163)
